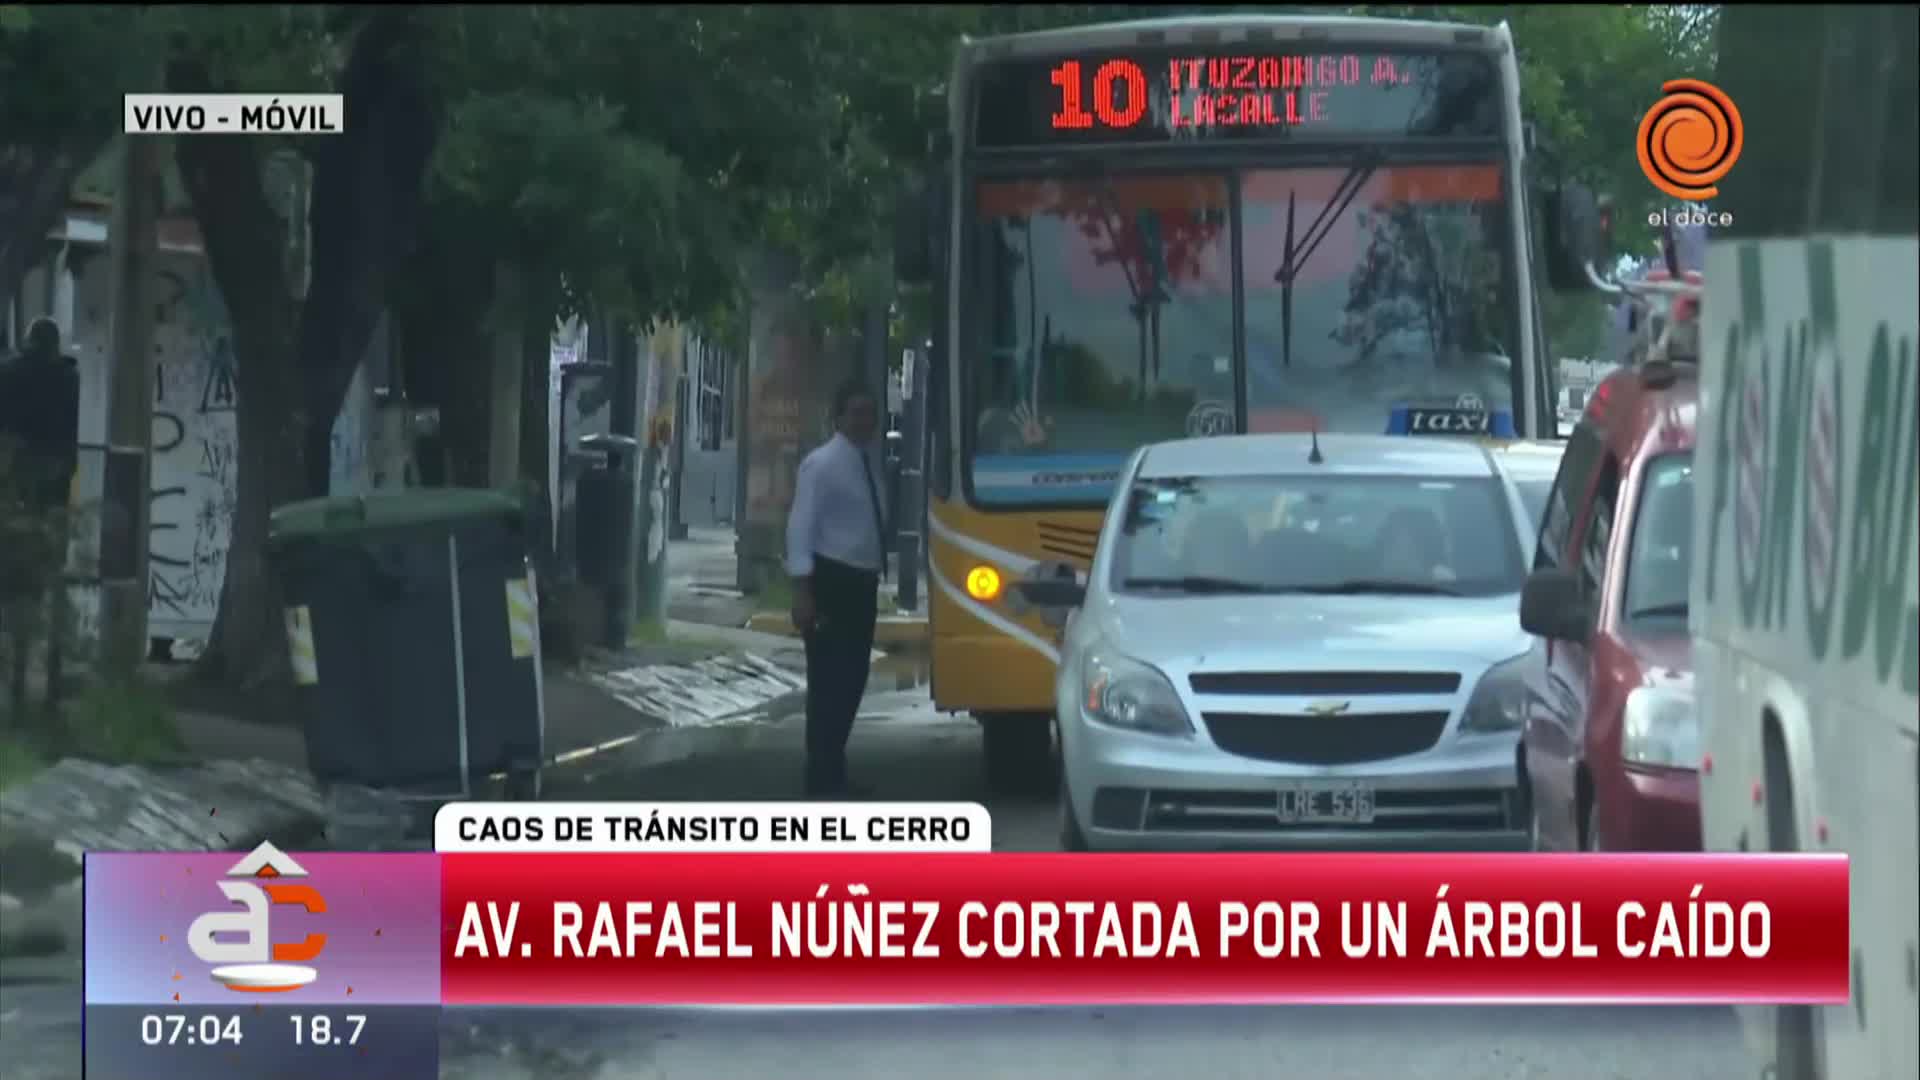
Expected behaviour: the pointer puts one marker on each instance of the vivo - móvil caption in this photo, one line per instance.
(235, 114)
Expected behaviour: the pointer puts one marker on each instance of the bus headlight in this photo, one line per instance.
(1499, 701)
(1124, 693)
(1661, 727)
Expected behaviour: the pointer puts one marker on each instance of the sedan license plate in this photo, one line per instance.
(1328, 804)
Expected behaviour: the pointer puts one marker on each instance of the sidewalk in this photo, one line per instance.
(240, 782)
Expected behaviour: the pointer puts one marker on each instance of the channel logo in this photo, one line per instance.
(239, 945)
(1690, 139)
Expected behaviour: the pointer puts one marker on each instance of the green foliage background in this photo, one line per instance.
(630, 158)
(631, 155)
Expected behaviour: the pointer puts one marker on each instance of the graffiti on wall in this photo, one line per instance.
(195, 440)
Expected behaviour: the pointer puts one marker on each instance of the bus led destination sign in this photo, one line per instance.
(1178, 96)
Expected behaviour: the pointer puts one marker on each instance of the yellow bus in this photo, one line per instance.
(1187, 227)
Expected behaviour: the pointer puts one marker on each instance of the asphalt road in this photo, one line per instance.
(907, 752)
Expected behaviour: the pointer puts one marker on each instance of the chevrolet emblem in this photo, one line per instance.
(1329, 708)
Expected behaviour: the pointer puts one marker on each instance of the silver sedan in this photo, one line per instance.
(1295, 642)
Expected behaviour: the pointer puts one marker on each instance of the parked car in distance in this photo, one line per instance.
(1295, 642)
(1610, 747)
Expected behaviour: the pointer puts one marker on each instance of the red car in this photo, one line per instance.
(1610, 743)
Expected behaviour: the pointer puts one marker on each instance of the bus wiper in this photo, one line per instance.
(1370, 587)
(1195, 583)
(1295, 256)
(1656, 611)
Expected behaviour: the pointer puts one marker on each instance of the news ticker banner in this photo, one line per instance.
(316, 961)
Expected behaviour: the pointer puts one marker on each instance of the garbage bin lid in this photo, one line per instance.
(344, 515)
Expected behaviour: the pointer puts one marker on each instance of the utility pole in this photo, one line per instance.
(125, 499)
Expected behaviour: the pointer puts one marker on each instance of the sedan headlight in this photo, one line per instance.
(1124, 693)
(1661, 727)
(1499, 700)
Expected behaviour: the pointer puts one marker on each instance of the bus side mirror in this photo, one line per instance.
(913, 236)
(1056, 593)
(1579, 237)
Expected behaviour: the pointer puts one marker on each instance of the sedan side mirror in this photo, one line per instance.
(1553, 606)
(1053, 592)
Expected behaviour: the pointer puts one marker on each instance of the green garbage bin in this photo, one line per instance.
(415, 639)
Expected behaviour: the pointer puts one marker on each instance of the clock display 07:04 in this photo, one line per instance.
(179, 1029)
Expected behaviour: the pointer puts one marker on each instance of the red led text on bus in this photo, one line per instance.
(1216, 90)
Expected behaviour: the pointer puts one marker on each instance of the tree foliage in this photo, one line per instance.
(65, 68)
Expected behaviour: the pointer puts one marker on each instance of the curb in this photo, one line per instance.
(43, 933)
(46, 928)
(890, 632)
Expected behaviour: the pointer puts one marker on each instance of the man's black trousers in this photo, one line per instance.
(839, 655)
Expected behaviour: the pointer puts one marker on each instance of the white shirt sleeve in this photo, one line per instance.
(800, 520)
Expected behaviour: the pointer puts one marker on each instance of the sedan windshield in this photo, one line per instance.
(1662, 553)
(1533, 496)
(1340, 535)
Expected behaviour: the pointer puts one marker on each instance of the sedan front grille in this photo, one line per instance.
(1325, 740)
(1323, 683)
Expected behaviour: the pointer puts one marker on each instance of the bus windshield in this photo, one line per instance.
(1378, 298)
(1103, 320)
(1399, 295)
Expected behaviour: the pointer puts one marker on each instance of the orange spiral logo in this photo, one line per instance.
(1690, 139)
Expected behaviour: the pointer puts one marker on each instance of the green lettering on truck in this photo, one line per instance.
(1891, 594)
(1823, 305)
(1777, 532)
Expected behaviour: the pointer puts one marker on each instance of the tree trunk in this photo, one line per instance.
(368, 186)
(443, 326)
(536, 344)
(295, 360)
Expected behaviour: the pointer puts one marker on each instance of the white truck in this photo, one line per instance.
(1804, 608)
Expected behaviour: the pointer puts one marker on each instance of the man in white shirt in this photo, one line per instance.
(836, 555)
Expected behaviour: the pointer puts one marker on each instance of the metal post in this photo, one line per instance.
(912, 477)
(687, 408)
(135, 242)
(873, 364)
(623, 349)
(744, 578)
